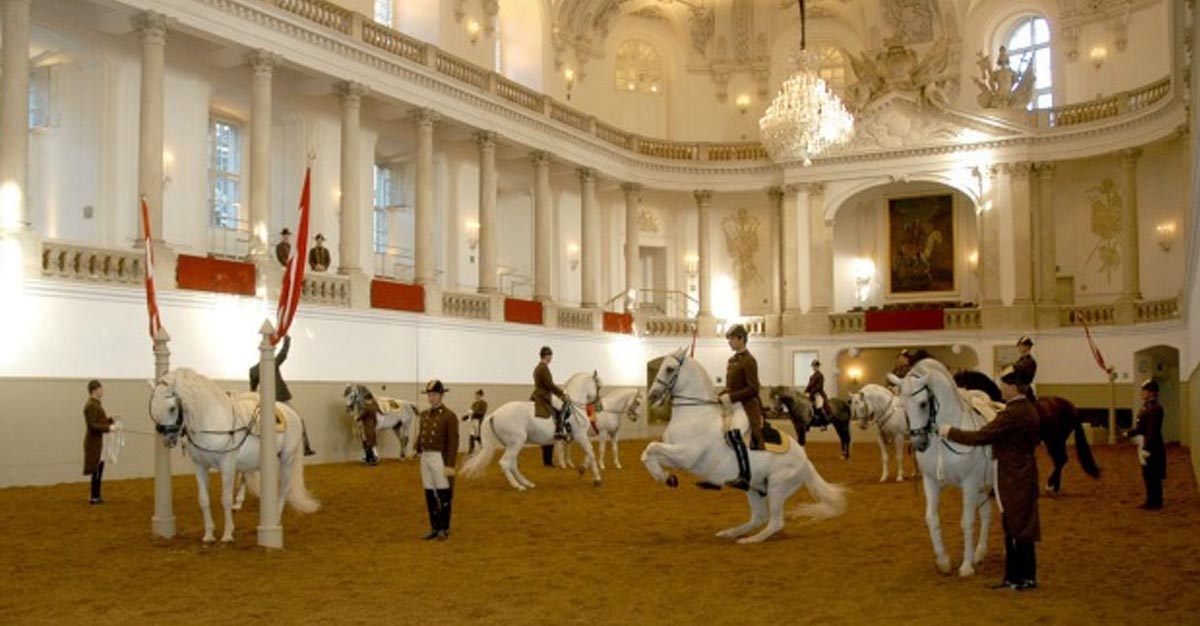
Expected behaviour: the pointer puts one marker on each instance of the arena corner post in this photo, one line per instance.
(270, 531)
(163, 522)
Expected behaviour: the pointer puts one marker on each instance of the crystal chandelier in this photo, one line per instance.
(805, 119)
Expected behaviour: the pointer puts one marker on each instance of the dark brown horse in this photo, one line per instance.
(793, 403)
(1058, 420)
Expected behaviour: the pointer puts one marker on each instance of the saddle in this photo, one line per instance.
(774, 441)
(280, 420)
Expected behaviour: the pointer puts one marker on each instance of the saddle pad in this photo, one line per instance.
(280, 420)
(389, 405)
(779, 448)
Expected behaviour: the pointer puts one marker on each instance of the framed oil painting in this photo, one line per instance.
(921, 244)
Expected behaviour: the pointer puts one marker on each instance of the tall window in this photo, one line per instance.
(638, 68)
(225, 173)
(1029, 46)
(833, 69)
(383, 12)
(387, 197)
(40, 96)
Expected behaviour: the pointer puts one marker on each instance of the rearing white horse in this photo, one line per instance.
(695, 441)
(514, 425)
(930, 398)
(223, 433)
(877, 404)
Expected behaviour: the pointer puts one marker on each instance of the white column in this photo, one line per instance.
(543, 235)
(1022, 225)
(262, 65)
(632, 245)
(820, 250)
(704, 251)
(423, 242)
(1044, 237)
(989, 239)
(163, 522)
(589, 255)
(14, 115)
(350, 204)
(270, 532)
(792, 203)
(153, 28)
(775, 196)
(488, 252)
(1130, 281)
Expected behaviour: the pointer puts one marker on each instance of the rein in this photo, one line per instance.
(930, 427)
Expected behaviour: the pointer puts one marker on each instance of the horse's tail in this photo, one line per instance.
(478, 462)
(831, 499)
(298, 495)
(1084, 451)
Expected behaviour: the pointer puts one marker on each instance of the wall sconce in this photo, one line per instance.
(855, 375)
(691, 265)
(569, 76)
(743, 103)
(573, 256)
(973, 260)
(168, 166)
(473, 234)
(473, 29)
(1166, 235)
(1098, 55)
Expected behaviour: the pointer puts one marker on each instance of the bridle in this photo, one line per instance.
(930, 427)
(669, 389)
(174, 431)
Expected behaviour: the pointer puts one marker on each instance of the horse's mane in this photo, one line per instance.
(709, 388)
(973, 379)
(621, 394)
(576, 381)
(195, 390)
(930, 367)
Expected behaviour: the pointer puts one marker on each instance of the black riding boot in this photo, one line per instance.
(431, 504)
(743, 460)
(369, 456)
(560, 425)
(445, 496)
(308, 451)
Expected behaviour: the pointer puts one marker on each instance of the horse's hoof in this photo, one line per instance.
(943, 565)
(900, 478)
(966, 570)
(209, 540)
(580, 470)
(596, 483)
(883, 479)
(746, 540)
(672, 481)
(228, 539)
(619, 466)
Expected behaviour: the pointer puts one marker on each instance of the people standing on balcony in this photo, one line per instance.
(283, 249)
(741, 385)
(282, 393)
(437, 445)
(318, 257)
(478, 410)
(97, 422)
(816, 395)
(543, 389)
(1152, 452)
(1026, 366)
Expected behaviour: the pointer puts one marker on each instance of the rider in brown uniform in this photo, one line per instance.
(741, 385)
(543, 389)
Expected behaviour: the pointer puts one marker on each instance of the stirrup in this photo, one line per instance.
(738, 483)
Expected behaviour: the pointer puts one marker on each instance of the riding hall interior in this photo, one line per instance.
(489, 177)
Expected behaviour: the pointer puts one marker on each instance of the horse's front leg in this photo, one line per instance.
(984, 505)
(758, 516)
(239, 496)
(616, 450)
(603, 436)
(970, 496)
(228, 472)
(899, 443)
(589, 459)
(658, 454)
(932, 493)
(205, 508)
(883, 454)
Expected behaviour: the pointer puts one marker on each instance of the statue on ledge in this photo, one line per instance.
(1002, 87)
(897, 68)
(318, 257)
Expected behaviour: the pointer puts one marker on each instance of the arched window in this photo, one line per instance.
(833, 69)
(1029, 46)
(638, 67)
(383, 12)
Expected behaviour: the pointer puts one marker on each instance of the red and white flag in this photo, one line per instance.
(293, 278)
(1095, 350)
(151, 299)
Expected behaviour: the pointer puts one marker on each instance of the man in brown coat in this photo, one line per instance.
(283, 249)
(370, 422)
(1013, 435)
(97, 423)
(741, 385)
(543, 389)
(816, 395)
(478, 410)
(1026, 365)
(437, 445)
(1153, 450)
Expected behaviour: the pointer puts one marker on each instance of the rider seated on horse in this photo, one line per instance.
(543, 389)
(479, 409)
(816, 395)
(741, 385)
(1026, 366)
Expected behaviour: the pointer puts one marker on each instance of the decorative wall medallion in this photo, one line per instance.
(1105, 200)
(741, 241)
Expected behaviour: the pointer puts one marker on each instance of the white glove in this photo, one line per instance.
(114, 427)
(944, 430)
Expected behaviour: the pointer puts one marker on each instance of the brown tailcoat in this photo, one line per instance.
(479, 409)
(1149, 426)
(543, 389)
(741, 382)
(816, 387)
(439, 433)
(370, 421)
(97, 423)
(1013, 436)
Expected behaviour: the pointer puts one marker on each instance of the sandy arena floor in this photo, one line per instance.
(630, 552)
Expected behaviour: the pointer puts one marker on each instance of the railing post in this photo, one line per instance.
(356, 26)
(270, 531)
(431, 56)
(163, 522)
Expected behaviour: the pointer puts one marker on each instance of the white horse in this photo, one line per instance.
(514, 425)
(395, 414)
(222, 432)
(611, 408)
(877, 404)
(695, 441)
(930, 398)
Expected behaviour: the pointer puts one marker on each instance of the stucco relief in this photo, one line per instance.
(911, 20)
(1105, 206)
(742, 244)
(648, 221)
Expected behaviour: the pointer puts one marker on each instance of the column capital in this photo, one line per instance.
(631, 188)
(587, 175)
(262, 62)
(152, 25)
(703, 197)
(425, 118)
(775, 194)
(816, 189)
(1020, 169)
(540, 158)
(486, 140)
(350, 92)
(1130, 156)
(1045, 169)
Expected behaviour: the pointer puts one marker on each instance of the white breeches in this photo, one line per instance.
(819, 401)
(433, 471)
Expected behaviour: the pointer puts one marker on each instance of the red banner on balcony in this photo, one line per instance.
(386, 294)
(204, 273)
(522, 311)
(618, 323)
(923, 319)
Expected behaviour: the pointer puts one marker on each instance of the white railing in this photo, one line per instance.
(324, 13)
(1092, 314)
(1157, 310)
(961, 319)
(576, 319)
(842, 323)
(229, 242)
(72, 262)
(395, 263)
(326, 289)
(469, 305)
(668, 327)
